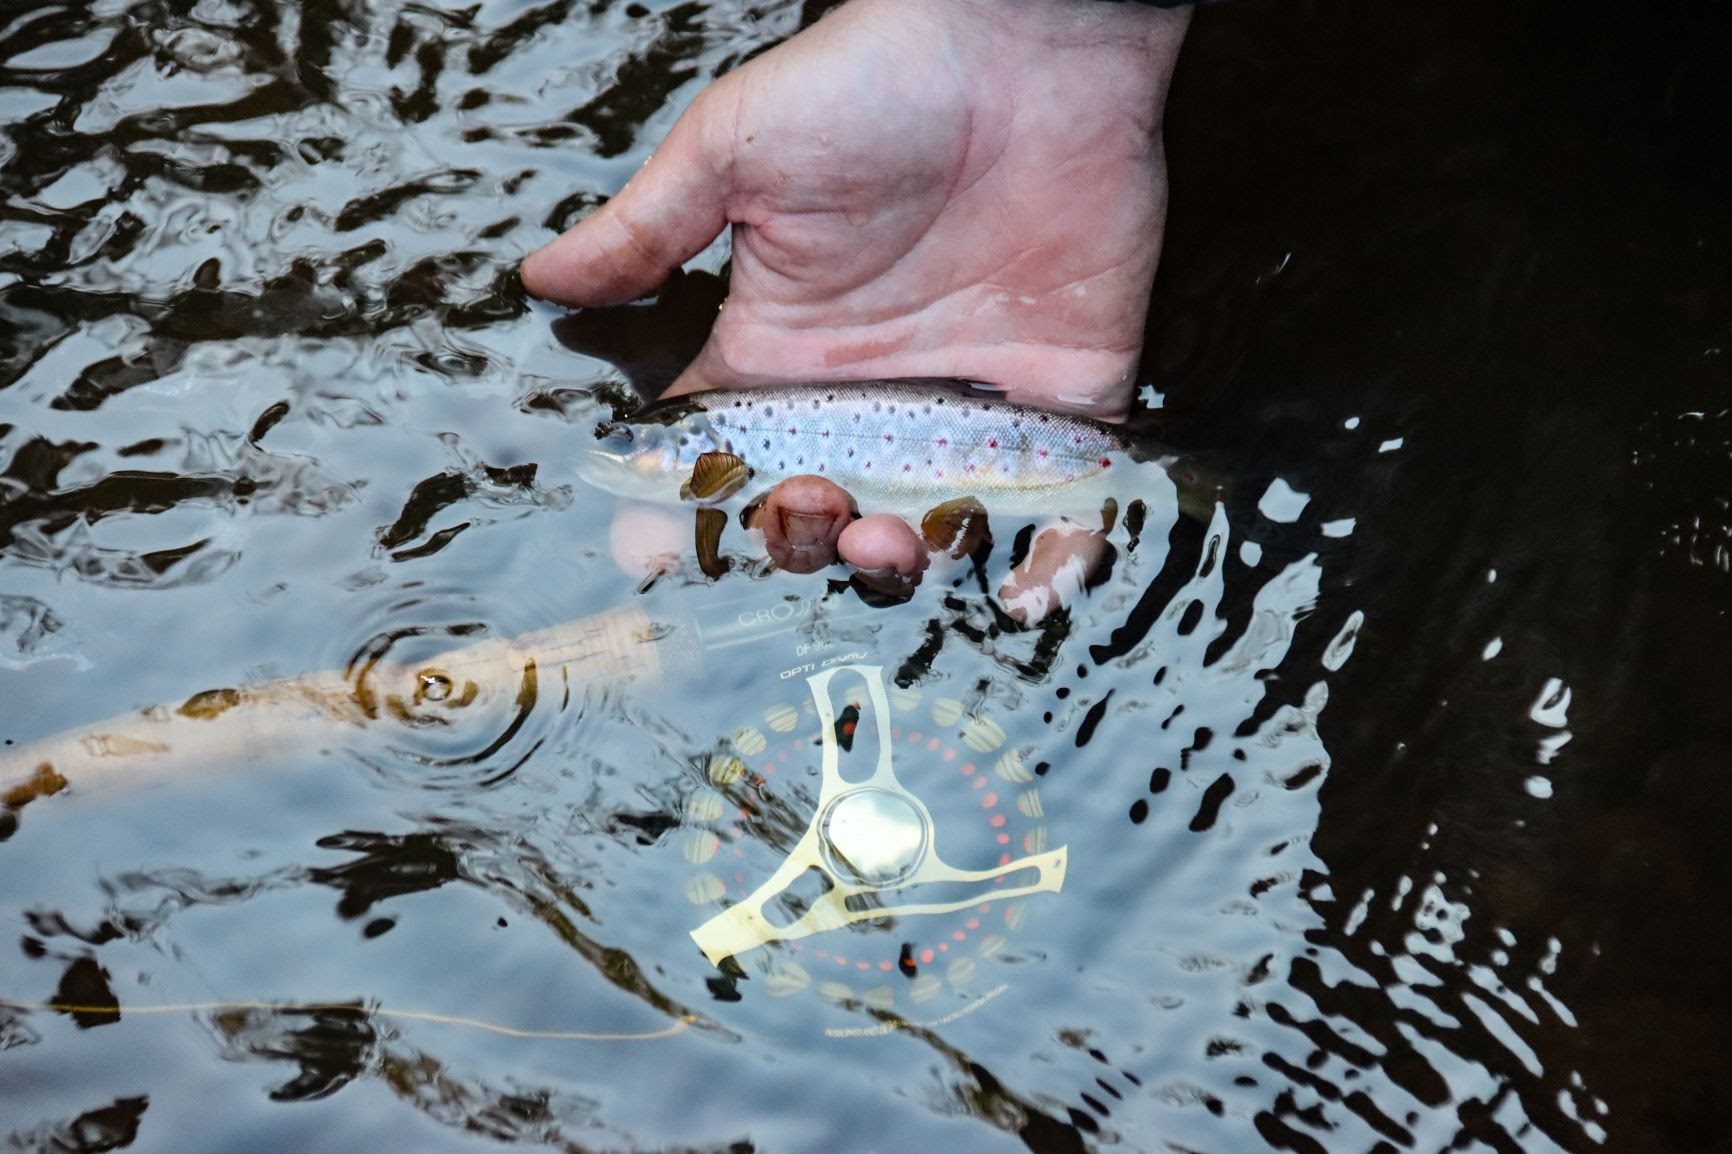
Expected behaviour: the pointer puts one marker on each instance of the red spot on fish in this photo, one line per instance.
(992, 443)
(943, 441)
(889, 436)
(1105, 463)
(907, 468)
(1042, 454)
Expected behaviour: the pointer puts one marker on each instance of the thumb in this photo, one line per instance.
(665, 215)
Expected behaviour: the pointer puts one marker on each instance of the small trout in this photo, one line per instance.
(893, 445)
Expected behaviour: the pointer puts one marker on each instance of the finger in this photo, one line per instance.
(802, 519)
(648, 540)
(709, 370)
(665, 215)
(1055, 572)
(889, 555)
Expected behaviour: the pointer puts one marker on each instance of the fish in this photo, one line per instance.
(895, 445)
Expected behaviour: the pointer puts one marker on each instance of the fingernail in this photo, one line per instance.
(804, 530)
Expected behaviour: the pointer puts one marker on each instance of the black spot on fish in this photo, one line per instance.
(766, 442)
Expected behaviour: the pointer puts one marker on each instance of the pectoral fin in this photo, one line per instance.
(956, 527)
(716, 477)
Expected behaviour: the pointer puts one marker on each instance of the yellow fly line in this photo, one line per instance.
(677, 1027)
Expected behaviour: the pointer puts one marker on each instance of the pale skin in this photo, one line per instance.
(915, 188)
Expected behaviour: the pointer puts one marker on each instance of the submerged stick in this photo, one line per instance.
(224, 728)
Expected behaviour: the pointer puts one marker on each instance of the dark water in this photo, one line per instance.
(1393, 822)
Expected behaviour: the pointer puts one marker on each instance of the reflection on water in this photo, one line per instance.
(1390, 792)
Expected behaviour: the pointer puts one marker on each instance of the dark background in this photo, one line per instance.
(1516, 225)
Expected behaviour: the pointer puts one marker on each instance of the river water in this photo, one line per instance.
(1391, 793)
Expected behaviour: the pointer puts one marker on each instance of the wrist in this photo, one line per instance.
(1076, 24)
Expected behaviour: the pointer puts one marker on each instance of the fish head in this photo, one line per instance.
(643, 460)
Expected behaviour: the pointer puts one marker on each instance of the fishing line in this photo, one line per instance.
(678, 1027)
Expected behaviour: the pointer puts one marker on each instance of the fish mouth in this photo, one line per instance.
(621, 462)
(614, 433)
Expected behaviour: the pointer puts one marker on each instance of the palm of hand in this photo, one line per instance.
(910, 195)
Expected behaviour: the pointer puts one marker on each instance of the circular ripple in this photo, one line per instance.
(441, 697)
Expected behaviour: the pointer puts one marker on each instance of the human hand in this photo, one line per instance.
(916, 188)
(940, 188)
